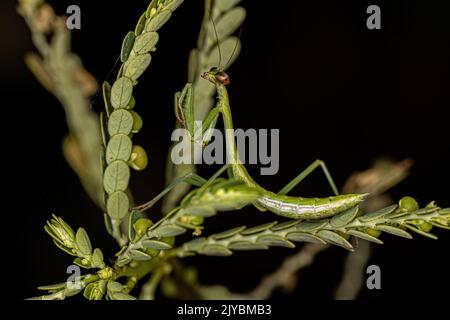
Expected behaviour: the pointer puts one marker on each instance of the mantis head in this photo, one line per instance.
(216, 75)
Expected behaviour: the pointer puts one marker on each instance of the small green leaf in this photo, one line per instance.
(139, 255)
(169, 230)
(155, 244)
(89, 290)
(53, 287)
(344, 218)
(136, 66)
(377, 214)
(120, 122)
(444, 212)
(114, 286)
(118, 148)
(215, 250)
(274, 240)
(259, 228)
(158, 20)
(363, 235)
(106, 90)
(140, 25)
(423, 233)
(426, 211)
(285, 225)
(121, 296)
(116, 177)
(173, 5)
(311, 225)
(195, 244)
(304, 237)
(83, 242)
(146, 42)
(97, 259)
(227, 233)
(246, 245)
(334, 238)
(64, 248)
(99, 290)
(393, 230)
(127, 46)
(108, 224)
(103, 123)
(117, 205)
(438, 224)
(121, 92)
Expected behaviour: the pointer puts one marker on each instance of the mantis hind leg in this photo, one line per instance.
(313, 166)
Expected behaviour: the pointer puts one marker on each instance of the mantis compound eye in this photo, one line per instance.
(223, 78)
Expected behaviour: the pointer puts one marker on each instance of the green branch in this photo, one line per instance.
(119, 122)
(396, 220)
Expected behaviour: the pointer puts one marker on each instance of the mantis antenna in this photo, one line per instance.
(217, 37)
(235, 46)
(218, 43)
(106, 78)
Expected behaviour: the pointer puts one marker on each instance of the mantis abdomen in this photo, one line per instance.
(308, 208)
(298, 207)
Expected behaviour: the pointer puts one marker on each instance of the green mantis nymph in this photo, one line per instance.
(278, 203)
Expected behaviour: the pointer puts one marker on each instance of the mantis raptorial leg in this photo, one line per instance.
(190, 178)
(281, 204)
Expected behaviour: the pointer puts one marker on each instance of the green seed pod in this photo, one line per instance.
(168, 240)
(138, 159)
(192, 220)
(423, 225)
(408, 204)
(152, 252)
(131, 104)
(343, 235)
(137, 122)
(140, 227)
(373, 232)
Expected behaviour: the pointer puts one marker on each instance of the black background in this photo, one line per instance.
(336, 90)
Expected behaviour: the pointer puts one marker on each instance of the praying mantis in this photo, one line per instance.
(279, 203)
